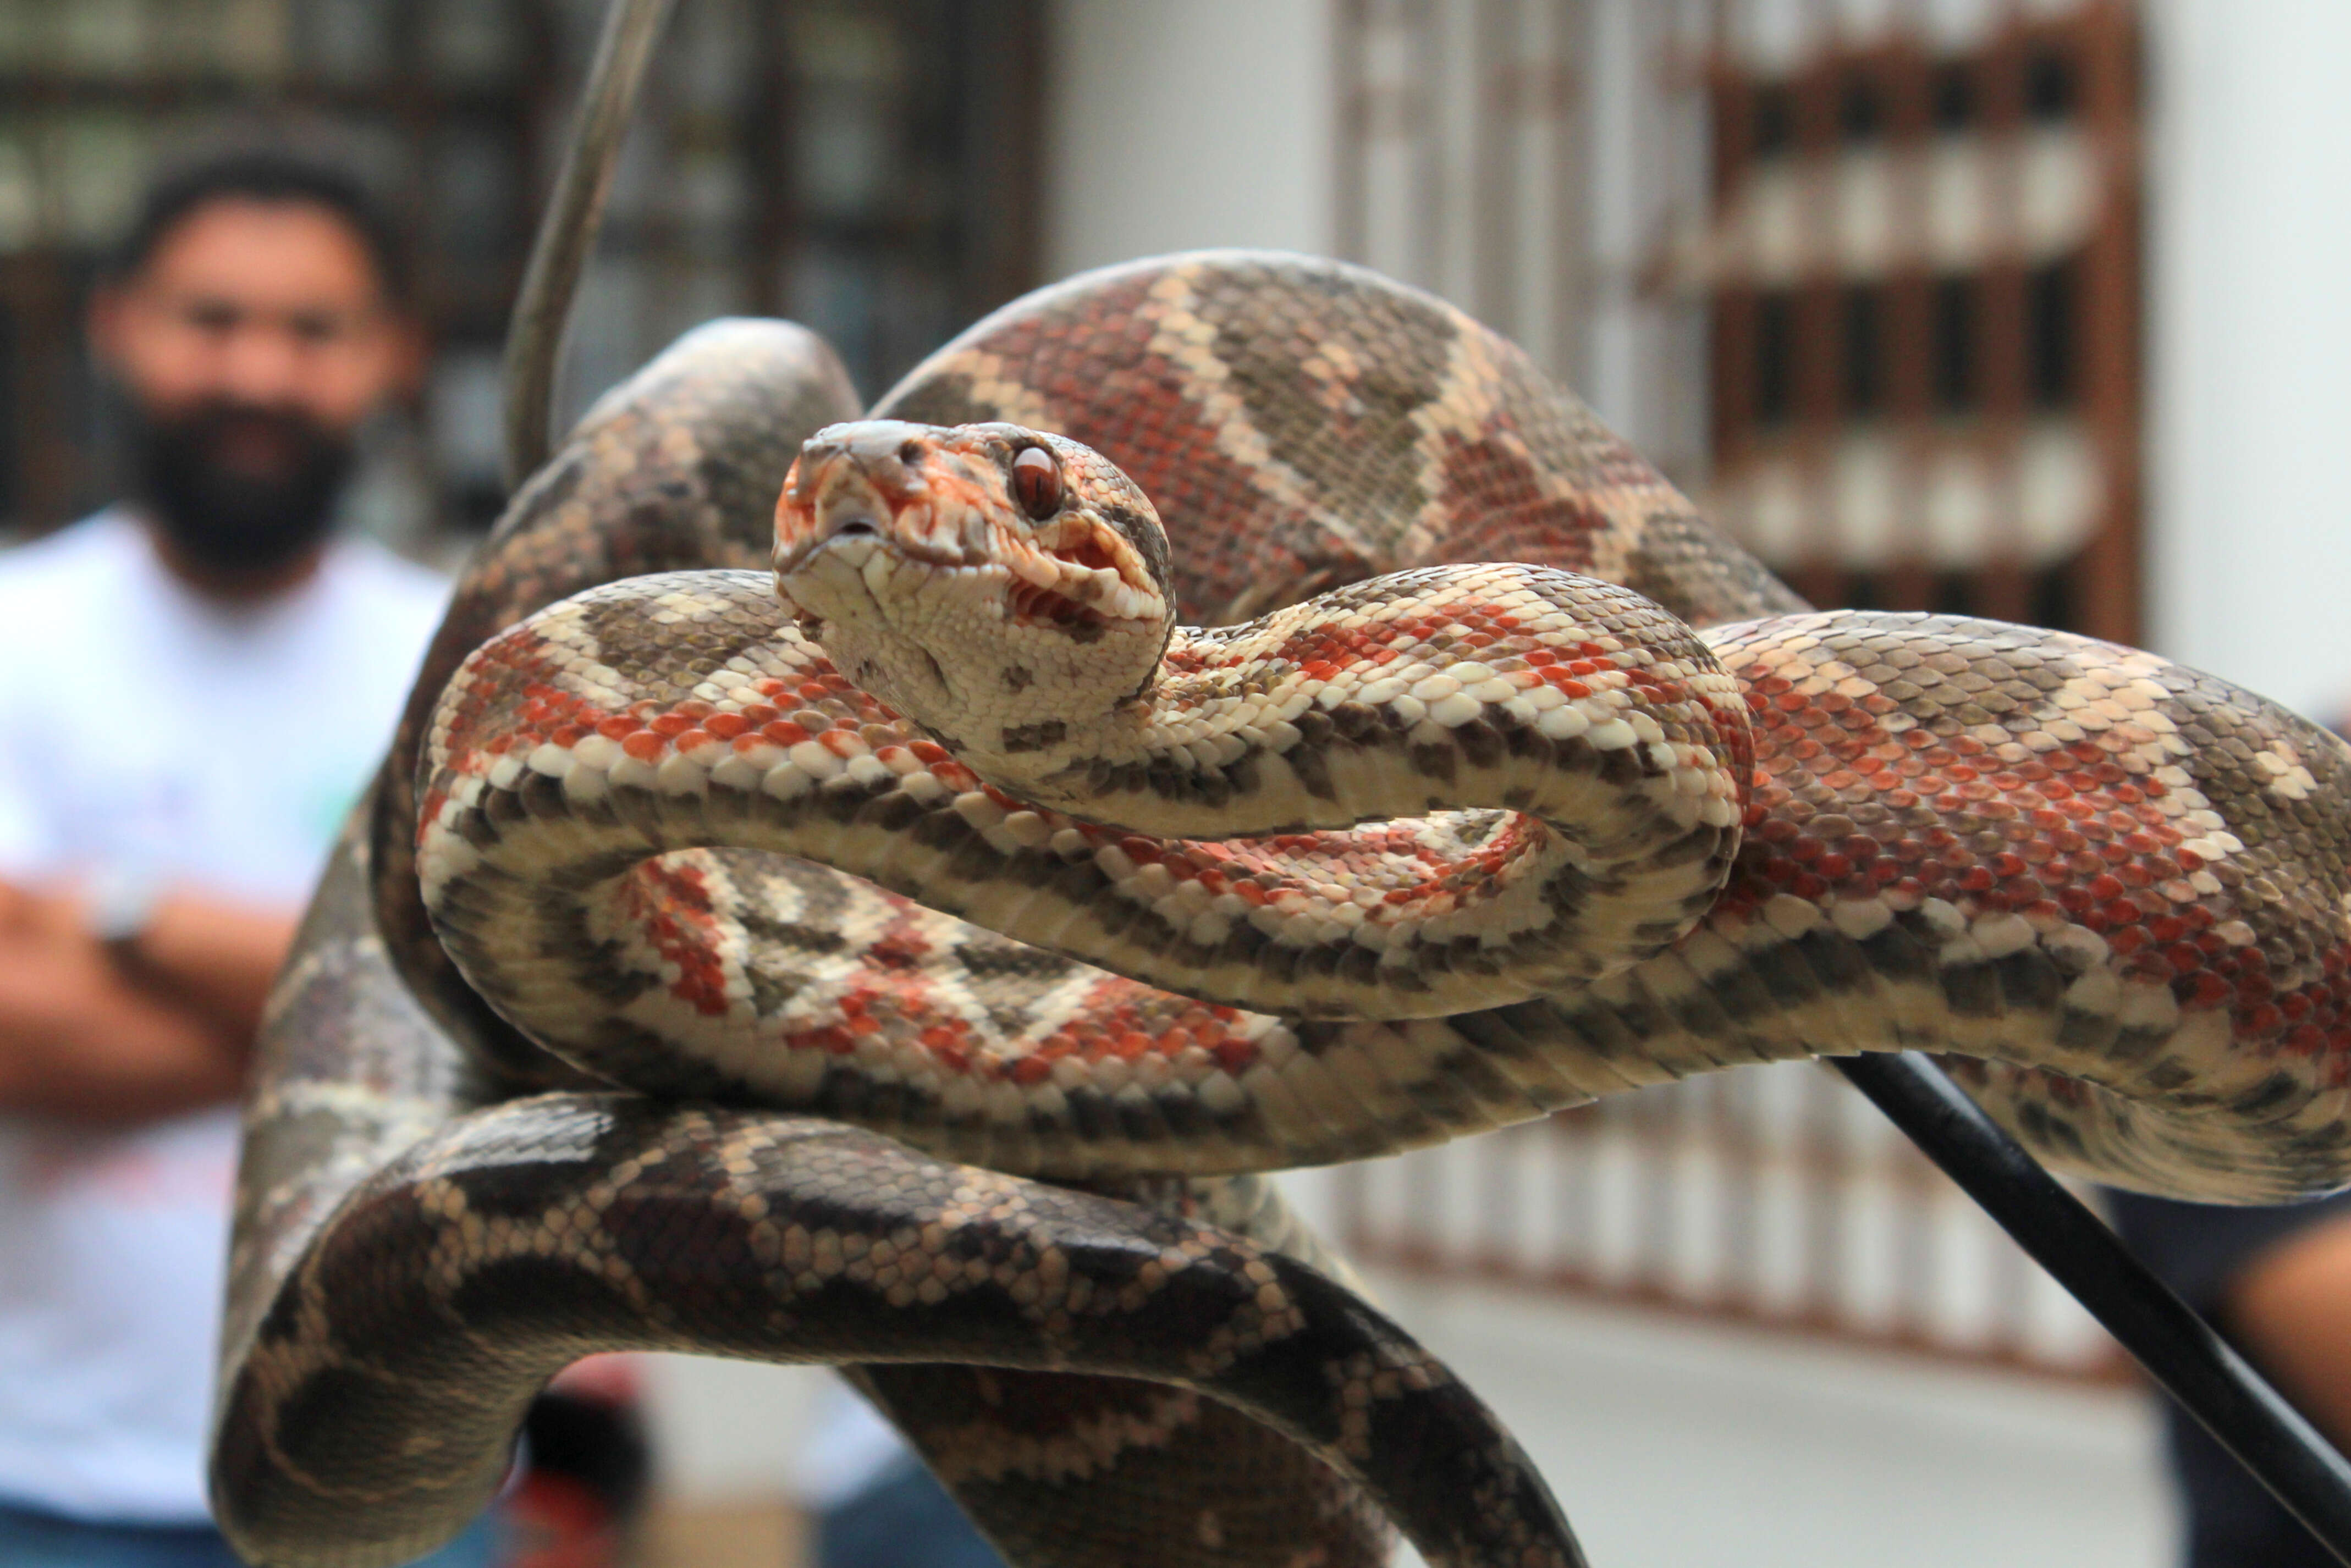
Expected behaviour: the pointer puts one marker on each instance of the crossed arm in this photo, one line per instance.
(91, 1036)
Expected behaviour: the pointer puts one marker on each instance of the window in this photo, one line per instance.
(1951, 96)
(1861, 109)
(1773, 128)
(1775, 359)
(1953, 353)
(1864, 345)
(2051, 331)
(2050, 86)
(1915, 290)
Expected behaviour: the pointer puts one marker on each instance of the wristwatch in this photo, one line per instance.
(122, 900)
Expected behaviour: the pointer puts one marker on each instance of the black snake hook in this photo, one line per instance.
(568, 230)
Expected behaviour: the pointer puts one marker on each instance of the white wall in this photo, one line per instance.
(727, 1430)
(1687, 1446)
(2249, 448)
(1176, 124)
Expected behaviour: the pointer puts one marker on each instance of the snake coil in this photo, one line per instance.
(2111, 890)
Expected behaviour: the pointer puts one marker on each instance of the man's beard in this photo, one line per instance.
(231, 521)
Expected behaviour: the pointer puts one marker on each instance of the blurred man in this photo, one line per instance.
(194, 685)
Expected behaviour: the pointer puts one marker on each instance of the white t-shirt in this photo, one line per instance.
(144, 728)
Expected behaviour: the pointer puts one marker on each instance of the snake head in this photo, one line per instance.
(1001, 586)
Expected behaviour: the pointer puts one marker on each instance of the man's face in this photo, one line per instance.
(251, 345)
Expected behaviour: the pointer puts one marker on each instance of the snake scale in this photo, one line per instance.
(690, 1049)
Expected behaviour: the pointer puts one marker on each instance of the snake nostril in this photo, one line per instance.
(911, 453)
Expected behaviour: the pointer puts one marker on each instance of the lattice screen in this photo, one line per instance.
(1919, 256)
(1863, 276)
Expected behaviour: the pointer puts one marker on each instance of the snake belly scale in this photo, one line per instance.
(1450, 833)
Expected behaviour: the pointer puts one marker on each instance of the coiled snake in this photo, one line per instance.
(1451, 845)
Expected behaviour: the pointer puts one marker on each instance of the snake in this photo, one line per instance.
(882, 888)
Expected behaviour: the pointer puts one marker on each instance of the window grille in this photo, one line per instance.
(1872, 296)
(1774, 1198)
(1919, 268)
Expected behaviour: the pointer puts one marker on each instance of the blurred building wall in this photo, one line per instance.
(2249, 466)
(1175, 124)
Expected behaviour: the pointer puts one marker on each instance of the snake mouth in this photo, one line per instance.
(1078, 591)
(1029, 603)
(790, 562)
(1053, 605)
(864, 530)
(1072, 584)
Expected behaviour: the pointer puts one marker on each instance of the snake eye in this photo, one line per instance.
(1037, 482)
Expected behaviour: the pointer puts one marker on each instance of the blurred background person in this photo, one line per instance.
(200, 678)
(2276, 1283)
(579, 1499)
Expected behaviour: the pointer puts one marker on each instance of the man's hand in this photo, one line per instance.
(2290, 1308)
(85, 1035)
(219, 957)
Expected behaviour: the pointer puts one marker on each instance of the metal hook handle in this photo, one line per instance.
(567, 230)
